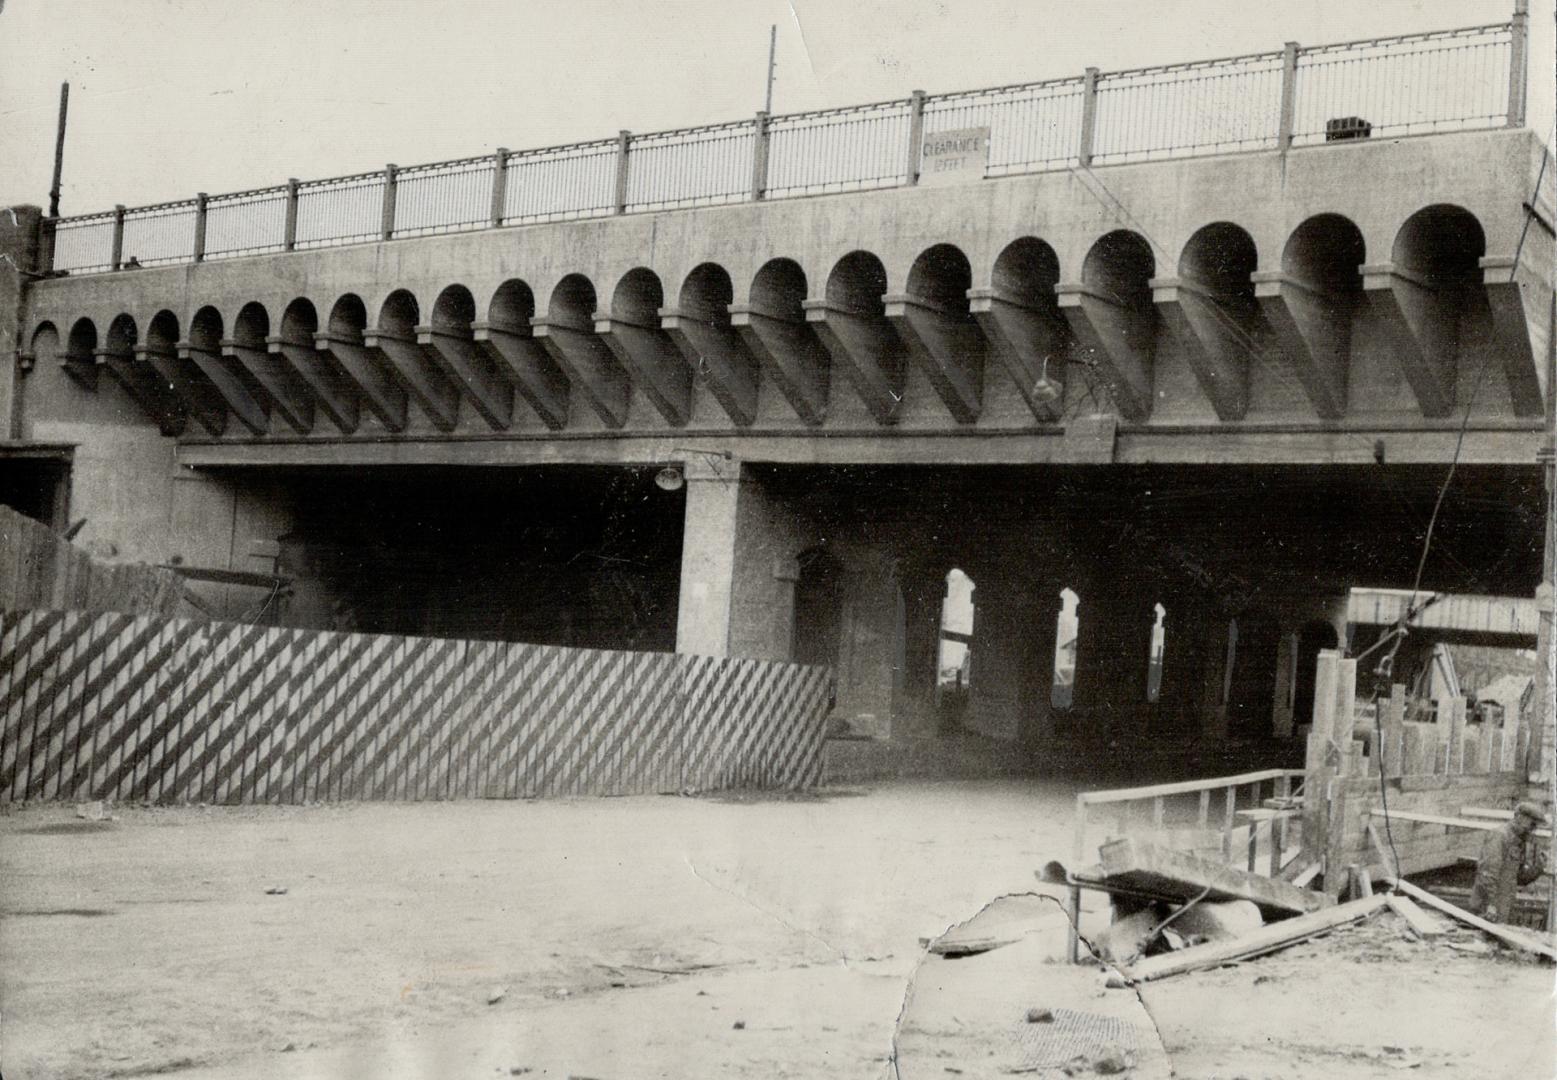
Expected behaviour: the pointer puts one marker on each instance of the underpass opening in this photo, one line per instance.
(576, 556)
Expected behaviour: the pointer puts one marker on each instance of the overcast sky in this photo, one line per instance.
(170, 97)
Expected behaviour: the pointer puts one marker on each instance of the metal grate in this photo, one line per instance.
(1073, 1034)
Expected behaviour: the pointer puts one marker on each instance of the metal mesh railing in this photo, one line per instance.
(1182, 110)
(1443, 81)
(691, 167)
(450, 196)
(561, 182)
(1032, 127)
(341, 211)
(161, 234)
(1447, 81)
(849, 149)
(85, 243)
(246, 223)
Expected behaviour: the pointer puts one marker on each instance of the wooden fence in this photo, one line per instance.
(39, 569)
(174, 710)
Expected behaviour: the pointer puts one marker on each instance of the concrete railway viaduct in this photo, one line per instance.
(1183, 396)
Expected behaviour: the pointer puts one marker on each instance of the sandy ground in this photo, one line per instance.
(641, 937)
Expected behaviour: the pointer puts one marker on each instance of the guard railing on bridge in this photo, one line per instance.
(1449, 80)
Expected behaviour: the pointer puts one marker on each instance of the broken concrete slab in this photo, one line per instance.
(1134, 864)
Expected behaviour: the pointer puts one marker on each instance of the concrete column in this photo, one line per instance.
(708, 556)
(20, 233)
(1213, 709)
(738, 568)
(1038, 712)
(1286, 675)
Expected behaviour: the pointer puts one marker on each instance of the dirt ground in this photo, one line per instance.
(649, 937)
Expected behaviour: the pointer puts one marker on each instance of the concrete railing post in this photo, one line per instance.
(499, 185)
(116, 259)
(1518, 62)
(1289, 57)
(201, 205)
(289, 226)
(387, 224)
(46, 233)
(915, 135)
(1088, 117)
(624, 141)
(759, 157)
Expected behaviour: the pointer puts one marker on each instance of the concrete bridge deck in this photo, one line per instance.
(1279, 307)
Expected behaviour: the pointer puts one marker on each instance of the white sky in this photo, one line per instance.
(170, 97)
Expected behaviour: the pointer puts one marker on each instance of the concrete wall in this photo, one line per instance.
(1376, 185)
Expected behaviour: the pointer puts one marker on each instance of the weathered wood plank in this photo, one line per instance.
(1267, 939)
(1173, 873)
(1415, 917)
(1510, 935)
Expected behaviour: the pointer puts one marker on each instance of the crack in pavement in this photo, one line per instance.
(892, 1059)
(843, 957)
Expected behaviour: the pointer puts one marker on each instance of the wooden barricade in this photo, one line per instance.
(41, 570)
(167, 710)
(1418, 766)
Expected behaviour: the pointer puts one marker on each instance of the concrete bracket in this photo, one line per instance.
(531, 369)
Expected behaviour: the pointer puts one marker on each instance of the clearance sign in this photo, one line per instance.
(953, 157)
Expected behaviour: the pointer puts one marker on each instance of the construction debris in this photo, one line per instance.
(1265, 940)
(1509, 935)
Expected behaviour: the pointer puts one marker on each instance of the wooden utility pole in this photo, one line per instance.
(767, 107)
(59, 148)
(1542, 733)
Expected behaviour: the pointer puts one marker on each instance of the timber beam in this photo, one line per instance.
(1030, 342)
(284, 393)
(867, 349)
(141, 383)
(1121, 338)
(239, 392)
(531, 369)
(790, 354)
(1511, 333)
(199, 398)
(453, 353)
(652, 361)
(1218, 332)
(1312, 328)
(589, 365)
(947, 346)
(714, 350)
(434, 394)
(384, 398)
(328, 387)
(1421, 318)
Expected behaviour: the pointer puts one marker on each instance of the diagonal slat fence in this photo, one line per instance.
(159, 709)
